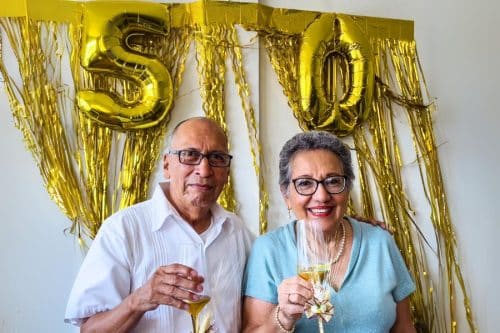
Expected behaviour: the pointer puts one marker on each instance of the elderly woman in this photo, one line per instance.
(368, 281)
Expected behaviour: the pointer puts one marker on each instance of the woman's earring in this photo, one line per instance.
(289, 215)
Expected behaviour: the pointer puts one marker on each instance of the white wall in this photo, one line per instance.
(458, 44)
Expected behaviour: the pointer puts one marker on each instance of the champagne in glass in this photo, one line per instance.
(195, 307)
(312, 251)
(313, 263)
(192, 255)
(315, 274)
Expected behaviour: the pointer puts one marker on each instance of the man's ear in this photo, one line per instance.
(166, 165)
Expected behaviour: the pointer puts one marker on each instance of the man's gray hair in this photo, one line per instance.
(313, 140)
(171, 136)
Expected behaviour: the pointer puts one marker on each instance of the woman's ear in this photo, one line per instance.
(285, 194)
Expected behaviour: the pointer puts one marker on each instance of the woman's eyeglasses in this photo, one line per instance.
(309, 186)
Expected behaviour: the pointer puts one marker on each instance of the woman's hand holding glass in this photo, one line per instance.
(293, 294)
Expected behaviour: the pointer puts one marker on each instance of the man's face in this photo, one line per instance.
(195, 185)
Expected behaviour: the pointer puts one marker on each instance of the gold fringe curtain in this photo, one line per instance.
(398, 89)
(215, 44)
(102, 164)
(379, 156)
(90, 171)
(410, 82)
(40, 109)
(251, 124)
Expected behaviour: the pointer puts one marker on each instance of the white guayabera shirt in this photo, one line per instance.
(134, 242)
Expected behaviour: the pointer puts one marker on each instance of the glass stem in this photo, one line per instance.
(194, 321)
(320, 325)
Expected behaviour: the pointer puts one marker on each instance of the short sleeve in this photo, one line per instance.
(404, 282)
(104, 277)
(258, 280)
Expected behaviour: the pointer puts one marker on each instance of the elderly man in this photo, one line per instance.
(131, 279)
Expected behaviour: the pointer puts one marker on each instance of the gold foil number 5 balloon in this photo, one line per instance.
(104, 49)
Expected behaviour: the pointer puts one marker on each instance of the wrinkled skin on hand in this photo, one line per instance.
(169, 285)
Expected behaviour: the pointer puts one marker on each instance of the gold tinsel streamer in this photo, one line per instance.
(211, 57)
(40, 109)
(408, 75)
(255, 146)
(215, 43)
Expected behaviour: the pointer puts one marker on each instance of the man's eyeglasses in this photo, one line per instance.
(308, 186)
(194, 157)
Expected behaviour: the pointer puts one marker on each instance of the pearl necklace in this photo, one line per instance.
(342, 244)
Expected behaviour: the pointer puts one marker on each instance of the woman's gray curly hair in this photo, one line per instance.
(311, 141)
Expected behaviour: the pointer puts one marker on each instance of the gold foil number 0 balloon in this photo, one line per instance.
(104, 49)
(335, 54)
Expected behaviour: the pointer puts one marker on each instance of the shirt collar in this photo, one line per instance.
(164, 212)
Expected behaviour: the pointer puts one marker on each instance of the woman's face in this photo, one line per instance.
(323, 206)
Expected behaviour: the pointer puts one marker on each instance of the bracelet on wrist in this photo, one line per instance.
(280, 325)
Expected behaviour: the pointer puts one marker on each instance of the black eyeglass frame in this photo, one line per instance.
(207, 156)
(317, 182)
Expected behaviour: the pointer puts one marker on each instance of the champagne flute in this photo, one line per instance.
(313, 263)
(192, 255)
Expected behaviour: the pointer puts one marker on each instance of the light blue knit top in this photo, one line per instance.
(376, 279)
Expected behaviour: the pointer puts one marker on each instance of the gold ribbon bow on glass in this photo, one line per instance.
(320, 305)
